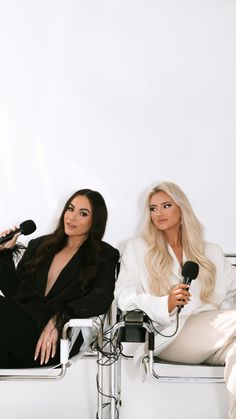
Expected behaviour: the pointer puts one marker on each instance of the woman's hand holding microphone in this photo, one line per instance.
(179, 296)
(9, 244)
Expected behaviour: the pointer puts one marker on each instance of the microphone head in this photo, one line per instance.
(190, 270)
(27, 227)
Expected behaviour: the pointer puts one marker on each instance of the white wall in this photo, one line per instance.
(116, 96)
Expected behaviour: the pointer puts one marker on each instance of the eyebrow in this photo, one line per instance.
(162, 203)
(85, 209)
(81, 209)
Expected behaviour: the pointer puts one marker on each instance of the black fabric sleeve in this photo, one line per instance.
(100, 296)
(30, 250)
(8, 276)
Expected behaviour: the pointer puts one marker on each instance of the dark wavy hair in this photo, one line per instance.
(54, 242)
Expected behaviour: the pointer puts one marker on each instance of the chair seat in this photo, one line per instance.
(179, 369)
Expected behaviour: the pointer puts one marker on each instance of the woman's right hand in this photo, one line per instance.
(179, 296)
(10, 243)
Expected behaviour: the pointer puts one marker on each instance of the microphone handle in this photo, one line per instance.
(186, 281)
(10, 235)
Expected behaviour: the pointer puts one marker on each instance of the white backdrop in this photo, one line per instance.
(117, 95)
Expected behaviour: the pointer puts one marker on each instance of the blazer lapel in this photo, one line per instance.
(176, 267)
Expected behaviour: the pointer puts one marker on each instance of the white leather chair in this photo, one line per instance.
(134, 326)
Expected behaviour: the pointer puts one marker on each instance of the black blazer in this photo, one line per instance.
(70, 296)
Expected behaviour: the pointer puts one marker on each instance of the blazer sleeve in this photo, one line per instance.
(100, 295)
(8, 276)
(132, 287)
(29, 252)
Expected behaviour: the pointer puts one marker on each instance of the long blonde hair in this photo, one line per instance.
(158, 260)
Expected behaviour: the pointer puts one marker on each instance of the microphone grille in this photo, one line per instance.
(28, 227)
(190, 270)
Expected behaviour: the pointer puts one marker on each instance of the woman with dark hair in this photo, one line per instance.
(69, 273)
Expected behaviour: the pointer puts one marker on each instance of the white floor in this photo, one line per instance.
(74, 397)
(154, 400)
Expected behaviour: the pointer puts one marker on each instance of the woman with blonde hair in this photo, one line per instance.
(196, 323)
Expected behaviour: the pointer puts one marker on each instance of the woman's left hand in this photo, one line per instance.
(47, 343)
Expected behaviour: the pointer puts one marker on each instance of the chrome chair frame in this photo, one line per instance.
(58, 372)
(196, 373)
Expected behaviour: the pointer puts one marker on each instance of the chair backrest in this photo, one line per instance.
(231, 257)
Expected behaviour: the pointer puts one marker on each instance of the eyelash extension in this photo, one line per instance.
(84, 214)
(165, 206)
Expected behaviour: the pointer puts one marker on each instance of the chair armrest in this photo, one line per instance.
(88, 327)
(81, 322)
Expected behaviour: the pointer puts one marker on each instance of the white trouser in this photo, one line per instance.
(209, 336)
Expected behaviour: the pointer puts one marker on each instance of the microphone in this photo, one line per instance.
(27, 227)
(189, 272)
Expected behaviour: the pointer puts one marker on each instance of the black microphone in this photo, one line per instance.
(27, 227)
(189, 272)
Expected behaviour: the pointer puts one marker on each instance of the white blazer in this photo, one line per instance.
(133, 289)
